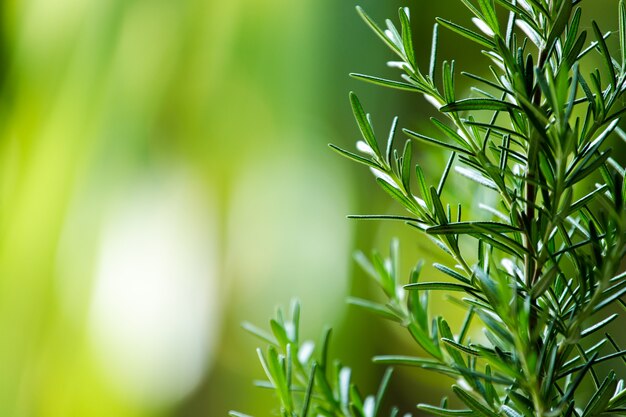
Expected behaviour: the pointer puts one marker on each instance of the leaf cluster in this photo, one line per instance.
(305, 381)
(543, 266)
(548, 255)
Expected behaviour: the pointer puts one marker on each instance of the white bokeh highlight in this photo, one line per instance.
(155, 310)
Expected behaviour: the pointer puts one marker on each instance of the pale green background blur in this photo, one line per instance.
(164, 175)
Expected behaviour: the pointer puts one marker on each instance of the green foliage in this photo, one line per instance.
(545, 265)
(305, 381)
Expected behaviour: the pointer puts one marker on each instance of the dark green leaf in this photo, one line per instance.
(407, 38)
(309, 391)
(382, 217)
(355, 157)
(544, 282)
(390, 137)
(604, 51)
(454, 274)
(433, 53)
(466, 324)
(472, 227)
(583, 201)
(473, 403)
(597, 326)
(585, 169)
(399, 85)
(466, 33)
(473, 104)
(462, 141)
(439, 211)
(453, 351)
(608, 300)
(496, 327)
(600, 399)
(438, 411)
(574, 53)
(441, 286)
(592, 361)
(405, 360)
(364, 125)
(384, 383)
(445, 173)
(422, 338)
(518, 11)
(424, 190)
(559, 23)
(448, 81)
(622, 33)
(486, 6)
(433, 141)
(477, 177)
(323, 358)
(406, 166)
(460, 347)
(486, 81)
(378, 30)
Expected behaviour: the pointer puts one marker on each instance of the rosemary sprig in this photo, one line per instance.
(547, 263)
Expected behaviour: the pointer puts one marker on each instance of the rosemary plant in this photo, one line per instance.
(543, 275)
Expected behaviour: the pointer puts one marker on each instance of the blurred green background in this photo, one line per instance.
(164, 175)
